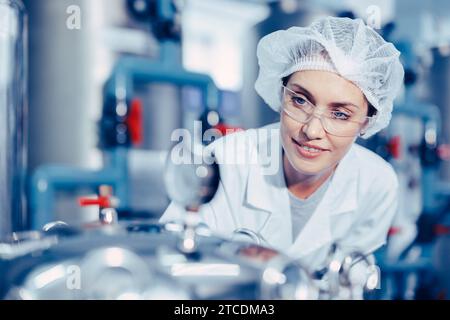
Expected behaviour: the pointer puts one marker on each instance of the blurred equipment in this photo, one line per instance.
(191, 185)
(13, 116)
(121, 127)
(413, 144)
(164, 17)
(141, 261)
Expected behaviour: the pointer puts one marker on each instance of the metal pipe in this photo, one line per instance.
(131, 70)
(13, 112)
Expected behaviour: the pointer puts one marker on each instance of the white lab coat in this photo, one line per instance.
(356, 210)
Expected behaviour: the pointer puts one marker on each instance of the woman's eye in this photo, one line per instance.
(340, 115)
(299, 101)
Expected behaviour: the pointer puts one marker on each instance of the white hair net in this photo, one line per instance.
(345, 46)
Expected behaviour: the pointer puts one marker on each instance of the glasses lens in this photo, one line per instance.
(297, 108)
(340, 128)
(301, 110)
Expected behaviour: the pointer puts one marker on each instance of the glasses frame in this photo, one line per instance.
(366, 122)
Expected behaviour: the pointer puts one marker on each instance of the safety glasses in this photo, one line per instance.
(335, 121)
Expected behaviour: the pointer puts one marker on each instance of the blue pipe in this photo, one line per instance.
(48, 179)
(131, 70)
(427, 112)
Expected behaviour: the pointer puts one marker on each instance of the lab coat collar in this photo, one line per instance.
(269, 193)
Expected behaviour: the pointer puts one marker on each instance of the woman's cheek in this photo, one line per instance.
(339, 146)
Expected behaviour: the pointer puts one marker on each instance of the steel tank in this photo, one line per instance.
(143, 260)
(13, 141)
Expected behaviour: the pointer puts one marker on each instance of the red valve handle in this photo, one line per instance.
(444, 152)
(441, 230)
(135, 122)
(394, 147)
(102, 202)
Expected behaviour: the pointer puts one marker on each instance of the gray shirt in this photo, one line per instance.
(303, 209)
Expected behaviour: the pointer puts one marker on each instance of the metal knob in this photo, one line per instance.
(108, 216)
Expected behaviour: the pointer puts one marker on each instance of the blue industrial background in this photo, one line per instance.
(109, 81)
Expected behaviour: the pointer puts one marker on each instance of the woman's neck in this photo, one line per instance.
(302, 185)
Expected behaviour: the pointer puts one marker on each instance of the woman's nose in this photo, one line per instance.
(313, 129)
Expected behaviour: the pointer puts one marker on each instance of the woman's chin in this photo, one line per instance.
(307, 168)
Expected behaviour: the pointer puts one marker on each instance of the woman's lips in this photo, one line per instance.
(308, 151)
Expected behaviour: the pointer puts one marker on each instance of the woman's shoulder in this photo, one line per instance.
(240, 152)
(374, 168)
(246, 141)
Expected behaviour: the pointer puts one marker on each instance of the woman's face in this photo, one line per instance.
(329, 91)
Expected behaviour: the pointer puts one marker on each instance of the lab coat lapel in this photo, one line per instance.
(267, 194)
(264, 195)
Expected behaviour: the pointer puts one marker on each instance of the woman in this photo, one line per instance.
(330, 82)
